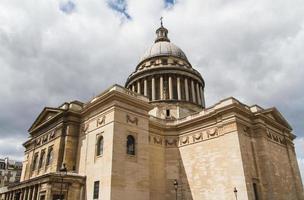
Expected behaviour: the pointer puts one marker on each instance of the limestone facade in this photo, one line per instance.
(134, 142)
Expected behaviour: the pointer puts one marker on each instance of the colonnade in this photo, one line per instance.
(170, 87)
(27, 193)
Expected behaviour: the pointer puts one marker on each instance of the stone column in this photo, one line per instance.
(30, 193)
(161, 87)
(153, 88)
(145, 87)
(186, 89)
(133, 88)
(193, 92)
(138, 87)
(179, 95)
(202, 97)
(21, 194)
(34, 193)
(199, 101)
(170, 88)
(25, 194)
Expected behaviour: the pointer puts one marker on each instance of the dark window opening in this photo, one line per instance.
(164, 61)
(168, 113)
(130, 145)
(35, 161)
(49, 157)
(96, 190)
(100, 146)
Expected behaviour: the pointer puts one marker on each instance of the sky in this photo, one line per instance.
(64, 50)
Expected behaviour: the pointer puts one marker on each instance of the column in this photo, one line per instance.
(179, 95)
(193, 92)
(153, 88)
(202, 97)
(21, 194)
(133, 88)
(25, 194)
(30, 193)
(138, 87)
(161, 87)
(170, 88)
(199, 101)
(11, 195)
(145, 87)
(34, 193)
(186, 89)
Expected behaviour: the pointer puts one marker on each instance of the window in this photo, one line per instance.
(49, 157)
(41, 160)
(255, 190)
(96, 190)
(35, 161)
(168, 113)
(164, 61)
(100, 146)
(130, 145)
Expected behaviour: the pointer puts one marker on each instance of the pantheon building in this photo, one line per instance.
(155, 139)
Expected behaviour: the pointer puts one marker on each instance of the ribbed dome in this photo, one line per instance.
(164, 48)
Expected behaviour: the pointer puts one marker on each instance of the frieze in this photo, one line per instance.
(101, 121)
(156, 139)
(85, 127)
(213, 132)
(171, 142)
(45, 138)
(197, 137)
(206, 134)
(192, 138)
(131, 120)
(275, 137)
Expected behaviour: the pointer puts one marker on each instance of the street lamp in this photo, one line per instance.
(235, 192)
(63, 171)
(175, 183)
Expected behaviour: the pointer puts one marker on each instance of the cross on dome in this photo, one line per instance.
(162, 33)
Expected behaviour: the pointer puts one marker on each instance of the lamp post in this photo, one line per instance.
(235, 193)
(63, 171)
(175, 183)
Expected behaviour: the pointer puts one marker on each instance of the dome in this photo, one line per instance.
(163, 48)
(166, 77)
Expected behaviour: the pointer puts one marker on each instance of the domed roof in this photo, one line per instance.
(164, 48)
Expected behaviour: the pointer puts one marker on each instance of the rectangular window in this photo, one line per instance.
(168, 113)
(41, 160)
(35, 161)
(49, 157)
(96, 190)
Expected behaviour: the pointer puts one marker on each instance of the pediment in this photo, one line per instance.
(274, 114)
(46, 115)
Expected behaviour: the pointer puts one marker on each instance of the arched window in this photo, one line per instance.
(130, 145)
(100, 146)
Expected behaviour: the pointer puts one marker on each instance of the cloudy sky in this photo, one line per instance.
(62, 50)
